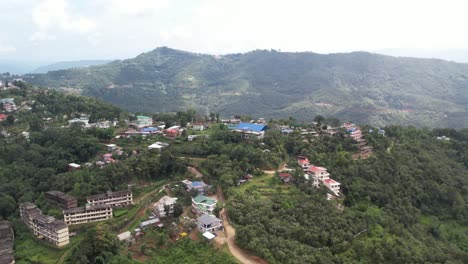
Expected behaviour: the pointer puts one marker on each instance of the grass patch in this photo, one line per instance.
(120, 212)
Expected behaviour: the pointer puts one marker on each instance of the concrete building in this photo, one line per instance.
(160, 206)
(61, 199)
(86, 214)
(44, 227)
(209, 223)
(7, 239)
(203, 205)
(114, 199)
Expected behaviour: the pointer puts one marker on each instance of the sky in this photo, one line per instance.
(59, 30)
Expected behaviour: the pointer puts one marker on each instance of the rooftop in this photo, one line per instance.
(208, 219)
(86, 208)
(317, 169)
(204, 199)
(330, 181)
(108, 194)
(251, 127)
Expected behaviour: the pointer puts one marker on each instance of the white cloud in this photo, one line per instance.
(134, 7)
(56, 15)
(7, 48)
(41, 36)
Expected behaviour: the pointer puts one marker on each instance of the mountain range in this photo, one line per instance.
(359, 86)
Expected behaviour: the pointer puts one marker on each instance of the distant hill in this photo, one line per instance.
(359, 86)
(64, 65)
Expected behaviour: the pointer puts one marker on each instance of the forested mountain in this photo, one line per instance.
(364, 87)
(63, 65)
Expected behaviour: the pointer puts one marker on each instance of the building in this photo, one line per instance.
(203, 205)
(111, 147)
(303, 162)
(73, 167)
(143, 121)
(83, 120)
(285, 177)
(199, 186)
(119, 198)
(209, 223)
(251, 131)
(320, 175)
(365, 151)
(332, 185)
(126, 237)
(87, 213)
(3, 117)
(7, 239)
(151, 222)
(44, 227)
(150, 130)
(199, 126)
(160, 206)
(61, 199)
(158, 146)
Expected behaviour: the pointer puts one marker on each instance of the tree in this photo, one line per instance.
(178, 210)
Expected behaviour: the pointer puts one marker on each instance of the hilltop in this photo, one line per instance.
(359, 86)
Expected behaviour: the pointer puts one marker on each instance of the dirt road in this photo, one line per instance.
(281, 168)
(238, 253)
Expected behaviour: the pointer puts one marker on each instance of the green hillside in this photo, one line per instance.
(363, 87)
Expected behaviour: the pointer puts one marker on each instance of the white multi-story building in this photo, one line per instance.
(333, 186)
(86, 214)
(119, 198)
(160, 206)
(303, 162)
(203, 205)
(319, 175)
(43, 226)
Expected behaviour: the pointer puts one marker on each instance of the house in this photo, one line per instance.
(303, 162)
(3, 117)
(285, 177)
(174, 131)
(87, 213)
(61, 199)
(365, 151)
(115, 199)
(320, 175)
(198, 126)
(354, 133)
(332, 185)
(45, 227)
(251, 131)
(160, 206)
(73, 167)
(82, 120)
(150, 130)
(245, 178)
(151, 222)
(143, 121)
(196, 185)
(111, 147)
(158, 146)
(7, 238)
(203, 205)
(209, 223)
(443, 138)
(108, 158)
(125, 237)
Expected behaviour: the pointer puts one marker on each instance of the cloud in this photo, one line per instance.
(41, 36)
(7, 48)
(134, 7)
(56, 14)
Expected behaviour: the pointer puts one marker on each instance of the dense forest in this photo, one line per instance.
(367, 88)
(405, 204)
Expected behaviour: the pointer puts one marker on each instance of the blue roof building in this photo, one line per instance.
(149, 129)
(249, 130)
